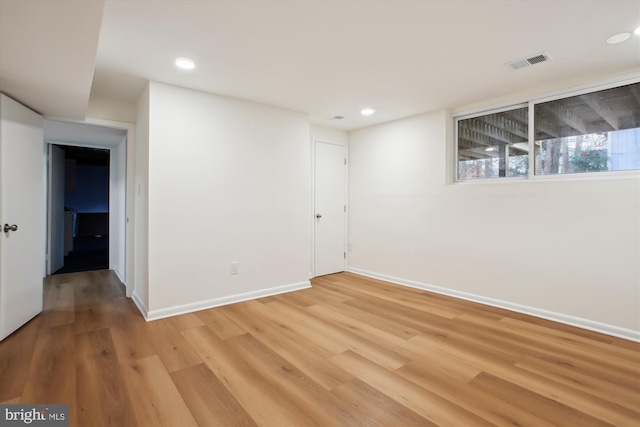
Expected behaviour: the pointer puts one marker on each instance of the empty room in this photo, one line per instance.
(321, 213)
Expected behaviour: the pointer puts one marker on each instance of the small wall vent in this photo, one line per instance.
(526, 62)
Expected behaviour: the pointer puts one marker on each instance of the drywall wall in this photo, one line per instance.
(326, 134)
(111, 109)
(141, 205)
(117, 209)
(229, 181)
(569, 247)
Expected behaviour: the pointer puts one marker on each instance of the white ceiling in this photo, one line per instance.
(47, 54)
(324, 58)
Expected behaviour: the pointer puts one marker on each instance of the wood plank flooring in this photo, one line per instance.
(350, 351)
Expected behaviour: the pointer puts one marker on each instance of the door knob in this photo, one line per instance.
(7, 228)
(318, 216)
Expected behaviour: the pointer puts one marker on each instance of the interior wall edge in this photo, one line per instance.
(141, 307)
(579, 322)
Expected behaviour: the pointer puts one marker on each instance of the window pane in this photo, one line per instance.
(494, 145)
(598, 131)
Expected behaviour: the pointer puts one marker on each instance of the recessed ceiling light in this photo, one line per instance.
(185, 63)
(490, 149)
(367, 111)
(618, 38)
(637, 31)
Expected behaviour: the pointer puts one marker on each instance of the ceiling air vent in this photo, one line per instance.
(337, 117)
(526, 62)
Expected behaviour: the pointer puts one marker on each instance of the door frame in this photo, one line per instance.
(53, 143)
(129, 229)
(49, 190)
(345, 146)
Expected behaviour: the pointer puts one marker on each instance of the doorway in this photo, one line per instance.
(85, 232)
(23, 260)
(86, 197)
(330, 204)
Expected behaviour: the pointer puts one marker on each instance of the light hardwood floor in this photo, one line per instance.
(351, 351)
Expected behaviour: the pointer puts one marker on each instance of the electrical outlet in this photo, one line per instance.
(235, 268)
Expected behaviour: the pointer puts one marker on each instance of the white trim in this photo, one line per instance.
(129, 229)
(312, 204)
(532, 140)
(217, 302)
(48, 191)
(579, 176)
(79, 144)
(579, 322)
(143, 308)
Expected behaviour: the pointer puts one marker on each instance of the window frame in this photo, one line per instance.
(530, 103)
(457, 119)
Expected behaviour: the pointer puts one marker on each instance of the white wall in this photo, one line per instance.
(117, 209)
(229, 181)
(569, 247)
(56, 215)
(111, 109)
(323, 133)
(141, 208)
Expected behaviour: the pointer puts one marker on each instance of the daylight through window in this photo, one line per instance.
(494, 145)
(592, 132)
(598, 131)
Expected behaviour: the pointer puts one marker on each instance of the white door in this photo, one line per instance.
(22, 203)
(56, 209)
(330, 208)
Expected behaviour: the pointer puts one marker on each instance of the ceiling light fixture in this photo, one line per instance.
(637, 31)
(490, 149)
(185, 63)
(367, 111)
(618, 38)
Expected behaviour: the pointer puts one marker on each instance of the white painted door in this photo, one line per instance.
(22, 203)
(330, 208)
(56, 209)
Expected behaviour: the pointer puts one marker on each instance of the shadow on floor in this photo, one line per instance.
(89, 253)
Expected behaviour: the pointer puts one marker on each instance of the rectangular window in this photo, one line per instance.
(591, 132)
(494, 145)
(597, 131)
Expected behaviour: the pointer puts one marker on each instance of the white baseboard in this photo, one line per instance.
(143, 308)
(217, 302)
(579, 322)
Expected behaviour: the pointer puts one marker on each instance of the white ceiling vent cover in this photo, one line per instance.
(526, 62)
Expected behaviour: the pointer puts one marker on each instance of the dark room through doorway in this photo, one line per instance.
(86, 209)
